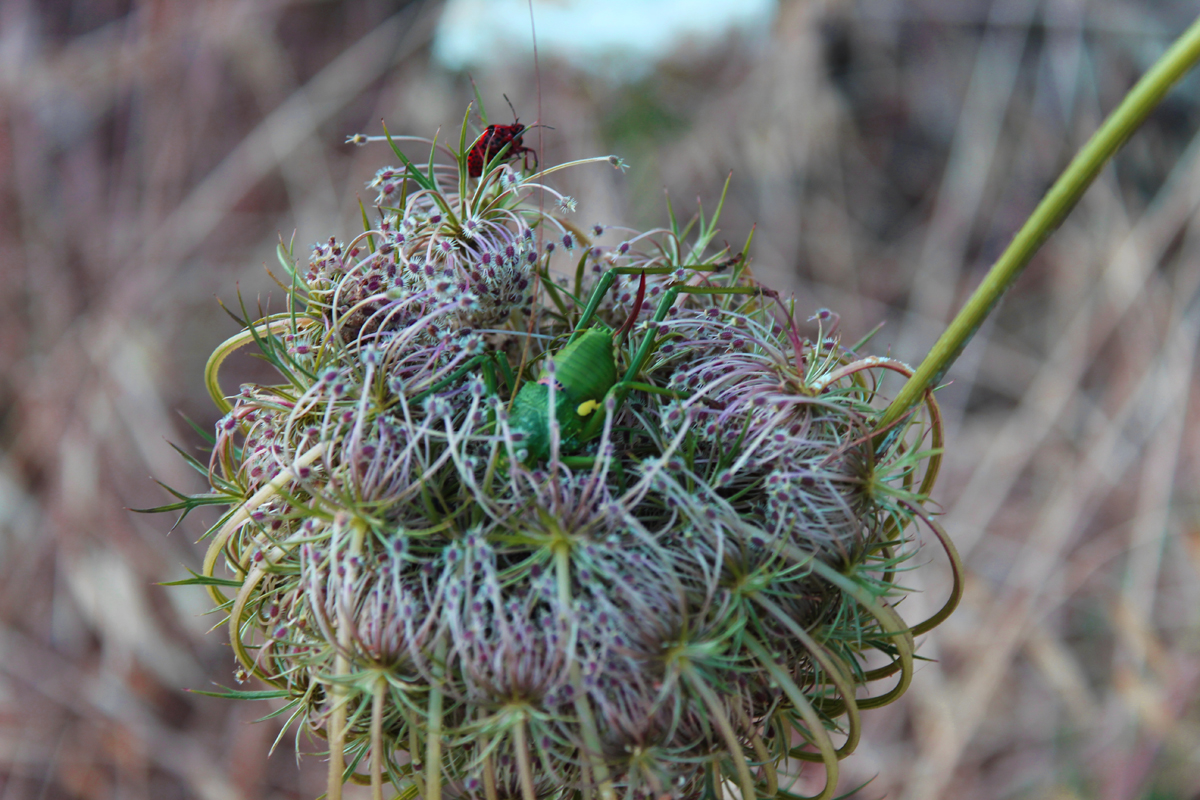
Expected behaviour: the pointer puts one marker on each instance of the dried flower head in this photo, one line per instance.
(520, 520)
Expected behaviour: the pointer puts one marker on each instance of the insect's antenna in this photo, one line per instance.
(627, 325)
(537, 75)
(537, 78)
(510, 107)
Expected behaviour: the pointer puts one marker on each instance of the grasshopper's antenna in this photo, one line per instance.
(532, 322)
(537, 76)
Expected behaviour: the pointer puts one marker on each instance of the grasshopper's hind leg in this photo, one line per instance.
(629, 382)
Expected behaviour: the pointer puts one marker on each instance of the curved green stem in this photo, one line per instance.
(816, 729)
(1049, 214)
(721, 721)
(264, 327)
(236, 520)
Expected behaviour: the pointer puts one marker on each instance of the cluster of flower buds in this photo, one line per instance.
(460, 545)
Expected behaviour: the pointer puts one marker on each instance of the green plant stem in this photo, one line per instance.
(587, 722)
(338, 691)
(1049, 214)
(433, 741)
(377, 754)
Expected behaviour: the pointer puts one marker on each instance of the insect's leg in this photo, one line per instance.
(598, 291)
(660, 313)
(622, 388)
(577, 462)
(601, 288)
(510, 378)
(489, 375)
(637, 386)
(491, 361)
(587, 462)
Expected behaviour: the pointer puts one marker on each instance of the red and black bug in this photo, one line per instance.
(492, 141)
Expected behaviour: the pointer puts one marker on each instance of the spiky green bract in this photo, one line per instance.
(682, 602)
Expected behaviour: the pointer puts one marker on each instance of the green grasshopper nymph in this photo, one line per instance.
(580, 378)
(576, 380)
(575, 384)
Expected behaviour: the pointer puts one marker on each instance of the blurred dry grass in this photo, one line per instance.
(151, 155)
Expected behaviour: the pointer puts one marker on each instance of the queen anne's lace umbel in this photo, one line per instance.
(683, 601)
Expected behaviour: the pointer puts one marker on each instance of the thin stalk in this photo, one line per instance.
(433, 744)
(760, 750)
(1049, 214)
(721, 720)
(816, 729)
(261, 329)
(337, 722)
(377, 755)
(489, 776)
(587, 722)
(524, 767)
(837, 676)
(414, 750)
(269, 490)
